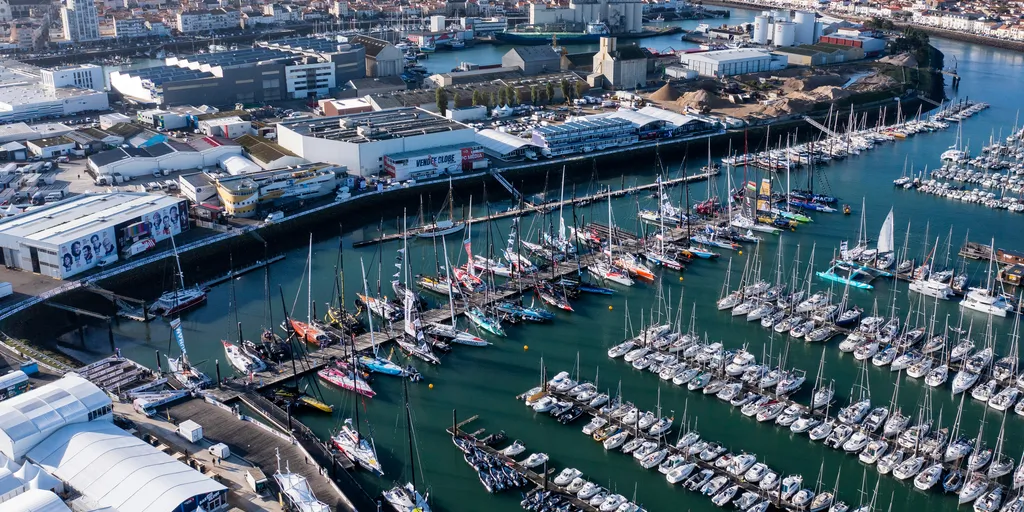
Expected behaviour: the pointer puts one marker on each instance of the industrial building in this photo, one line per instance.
(433, 162)
(83, 76)
(506, 146)
(620, 16)
(533, 60)
(252, 194)
(66, 238)
(63, 434)
(24, 96)
(871, 46)
(619, 67)
(778, 29)
(820, 54)
(731, 62)
(231, 127)
(293, 68)
(268, 154)
(360, 141)
(170, 155)
(382, 57)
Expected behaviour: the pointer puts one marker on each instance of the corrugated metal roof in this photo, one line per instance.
(500, 142)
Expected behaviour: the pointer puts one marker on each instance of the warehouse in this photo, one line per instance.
(63, 433)
(287, 69)
(433, 162)
(164, 156)
(51, 147)
(730, 62)
(69, 237)
(360, 141)
(24, 97)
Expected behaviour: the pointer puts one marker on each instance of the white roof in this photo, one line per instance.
(81, 216)
(27, 419)
(639, 119)
(500, 142)
(34, 500)
(671, 117)
(236, 164)
(728, 55)
(116, 469)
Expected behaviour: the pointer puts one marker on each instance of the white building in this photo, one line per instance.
(23, 97)
(207, 20)
(35, 500)
(230, 127)
(81, 21)
(168, 156)
(731, 62)
(83, 76)
(65, 238)
(130, 28)
(360, 141)
(63, 433)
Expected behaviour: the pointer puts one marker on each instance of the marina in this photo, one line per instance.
(563, 326)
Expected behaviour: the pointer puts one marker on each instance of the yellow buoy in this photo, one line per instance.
(609, 308)
(680, 278)
(526, 347)
(741, 253)
(431, 386)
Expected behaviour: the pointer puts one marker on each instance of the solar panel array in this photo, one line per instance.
(161, 74)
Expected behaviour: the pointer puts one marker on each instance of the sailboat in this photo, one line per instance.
(189, 376)
(309, 331)
(412, 340)
(405, 498)
(241, 361)
(181, 298)
(927, 286)
(984, 299)
(357, 448)
(441, 227)
(605, 269)
(884, 255)
(297, 491)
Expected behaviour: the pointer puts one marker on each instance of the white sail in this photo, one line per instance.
(885, 237)
(410, 319)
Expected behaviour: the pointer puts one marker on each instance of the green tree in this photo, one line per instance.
(542, 97)
(494, 100)
(441, 98)
(510, 92)
(580, 88)
(477, 97)
(549, 88)
(566, 91)
(534, 97)
(456, 99)
(502, 96)
(521, 96)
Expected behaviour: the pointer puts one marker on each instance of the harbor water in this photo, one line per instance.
(484, 381)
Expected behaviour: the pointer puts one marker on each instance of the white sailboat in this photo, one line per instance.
(604, 269)
(884, 255)
(189, 376)
(357, 448)
(297, 491)
(241, 361)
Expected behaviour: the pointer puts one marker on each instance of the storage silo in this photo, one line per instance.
(637, 23)
(804, 27)
(784, 34)
(761, 27)
(781, 15)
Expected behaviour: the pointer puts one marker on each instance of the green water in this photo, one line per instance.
(484, 381)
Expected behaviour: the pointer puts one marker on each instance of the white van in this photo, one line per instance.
(273, 217)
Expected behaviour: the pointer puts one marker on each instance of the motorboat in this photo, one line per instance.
(822, 431)
(840, 434)
(937, 376)
(405, 498)
(756, 472)
(804, 424)
(594, 424)
(964, 380)
(566, 476)
(612, 503)
(890, 461)
(514, 449)
(856, 442)
(908, 468)
(873, 451)
(769, 482)
(985, 391)
(855, 413)
(990, 501)
(535, 460)
(616, 440)
(790, 486)
(723, 498)
(680, 473)
(1005, 399)
(802, 498)
(876, 418)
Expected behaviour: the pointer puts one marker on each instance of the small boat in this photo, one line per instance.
(535, 460)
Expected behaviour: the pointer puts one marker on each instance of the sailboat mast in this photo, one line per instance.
(177, 260)
(408, 427)
(309, 283)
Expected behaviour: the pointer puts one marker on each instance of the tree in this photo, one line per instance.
(477, 97)
(494, 100)
(456, 99)
(441, 98)
(511, 94)
(580, 88)
(542, 96)
(502, 96)
(534, 97)
(549, 88)
(521, 96)
(565, 90)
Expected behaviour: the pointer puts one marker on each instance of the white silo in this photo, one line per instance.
(761, 27)
(637, 23)
(784, 34)
(781, 15)
(804, 27)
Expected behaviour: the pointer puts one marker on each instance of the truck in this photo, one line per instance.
(220, 450)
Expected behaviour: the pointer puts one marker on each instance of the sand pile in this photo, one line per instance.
(812, 82)
(903, 59)
(700, 99)
(665, 94)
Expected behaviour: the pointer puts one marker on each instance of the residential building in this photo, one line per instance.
(382, 58)
(622, 67)
(208, 20)
(129, 28)
(283, 13)
(295, 68)
(83, 76)
(533, 60)
(5, 11)
(361, 141)
(29, 34)
(81, 21)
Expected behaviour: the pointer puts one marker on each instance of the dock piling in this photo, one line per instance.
(158, 367)
(110, 333)
(216, 363)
